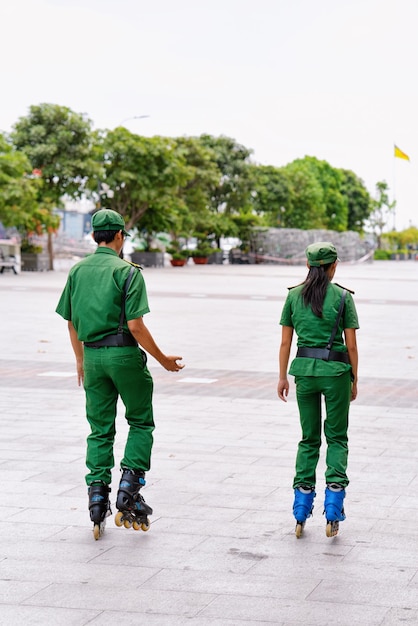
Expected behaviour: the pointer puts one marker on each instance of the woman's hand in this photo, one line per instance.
(283, 389)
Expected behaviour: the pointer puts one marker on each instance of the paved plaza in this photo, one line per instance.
(221, 549)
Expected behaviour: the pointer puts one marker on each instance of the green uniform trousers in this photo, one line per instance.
(108, 374)
(337, 393)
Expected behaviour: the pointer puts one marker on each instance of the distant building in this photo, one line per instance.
(76, 219)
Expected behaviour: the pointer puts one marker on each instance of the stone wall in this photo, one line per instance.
(287, 245)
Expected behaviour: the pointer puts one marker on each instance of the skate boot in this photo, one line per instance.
(99, 506)
(303, 507)
(133, 510)
(334, 508)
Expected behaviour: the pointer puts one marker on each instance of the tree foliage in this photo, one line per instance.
(271, 193)
(144, 176)
(203, 186)
(18, 189)
(359, 202)
(58, 144)
(305, 206)
(382, 210)
(404, 239)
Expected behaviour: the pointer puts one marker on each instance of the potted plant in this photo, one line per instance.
(151, 257)
(203, 249)
(179, 257)
(216, 256)
(33, 257)
(201, 255)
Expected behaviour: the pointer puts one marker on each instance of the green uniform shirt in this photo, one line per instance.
(314, 332)
(93, 294)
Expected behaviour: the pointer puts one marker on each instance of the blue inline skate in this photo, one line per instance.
(133, 510)
(99, 506)
(334, 508)
(303, 507)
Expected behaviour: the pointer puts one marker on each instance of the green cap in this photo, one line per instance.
(321, 253)
(106, 219)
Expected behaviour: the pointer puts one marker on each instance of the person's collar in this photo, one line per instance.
(105, 250)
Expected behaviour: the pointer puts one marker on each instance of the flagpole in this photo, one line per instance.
(394, 187)
(401, 155)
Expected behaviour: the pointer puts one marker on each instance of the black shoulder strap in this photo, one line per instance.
(125, 291)
(337, 321)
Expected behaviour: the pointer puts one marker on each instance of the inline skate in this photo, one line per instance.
(303, 506)
(99, 506)
(334, 508)
(132, 508)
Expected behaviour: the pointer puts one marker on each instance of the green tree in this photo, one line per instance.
(402, 240)
(334, 202)
(305, 207)
(144, 177)
(58, 144)
(18, 189)
(382, 210)
(231, 194)
(358, 201)
(270, 193)
(203, 175)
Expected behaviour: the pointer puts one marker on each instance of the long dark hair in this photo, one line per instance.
(315, 287)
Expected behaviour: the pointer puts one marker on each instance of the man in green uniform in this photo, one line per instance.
(320, 369)
(104, 301)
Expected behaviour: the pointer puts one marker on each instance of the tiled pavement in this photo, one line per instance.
(221, 549)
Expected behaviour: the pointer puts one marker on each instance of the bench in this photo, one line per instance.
(7, 263)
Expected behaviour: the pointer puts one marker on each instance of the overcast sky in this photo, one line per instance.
(334, 79)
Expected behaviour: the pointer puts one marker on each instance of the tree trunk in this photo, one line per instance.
(50, 252)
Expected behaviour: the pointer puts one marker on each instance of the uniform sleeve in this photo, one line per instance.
(136, 300)
(286, 318)
(64, 304)
(350, 318)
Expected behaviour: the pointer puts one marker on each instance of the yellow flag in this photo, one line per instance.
(400, 154)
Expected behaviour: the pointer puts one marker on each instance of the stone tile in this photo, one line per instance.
(101, 597)
(176, 559)
(377, 594)
(226, 583)
(400, 617)
(108, 618)
(383, 557)
(40, 616)
(221, 549)
(18, 591)
(58, 572)
(277, 611)
(179, 514)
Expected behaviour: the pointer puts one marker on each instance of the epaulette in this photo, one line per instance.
(294, 286)
(134, 264)
(346, 288)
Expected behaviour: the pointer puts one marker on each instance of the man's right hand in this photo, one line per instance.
(170, 363)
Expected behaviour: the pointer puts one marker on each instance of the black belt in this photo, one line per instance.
(112, 341)
(324, 354)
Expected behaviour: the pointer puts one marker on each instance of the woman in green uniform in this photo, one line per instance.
(324, 366)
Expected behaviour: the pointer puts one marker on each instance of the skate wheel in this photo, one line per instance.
(118, 519)
(299, 529)
(127, 523)
(146, 526)
(96, 531)
(331, 529)
(135, 525)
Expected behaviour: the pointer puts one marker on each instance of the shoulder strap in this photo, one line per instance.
(337, 321)
(125, 291)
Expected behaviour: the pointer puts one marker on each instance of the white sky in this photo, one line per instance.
(335, 79)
